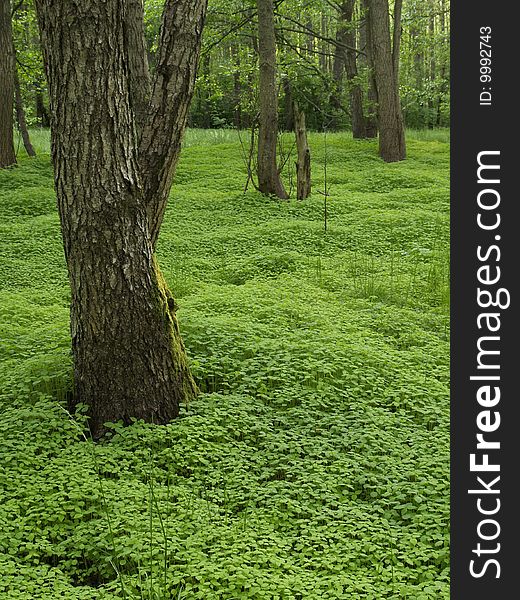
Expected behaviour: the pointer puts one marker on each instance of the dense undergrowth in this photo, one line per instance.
(315, 463)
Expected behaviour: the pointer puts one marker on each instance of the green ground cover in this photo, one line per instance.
(315, 465)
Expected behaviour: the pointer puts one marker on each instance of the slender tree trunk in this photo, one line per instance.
(442, 74)
(338, 69)
(41, 111)
(418, 75)
(7, 154)
(323, 44)
(396, 43)
(129, 359)
(237, 87)
(269, 181)
(392, 145)
(359, 124)
(366, 43)
(309, 38)
(288, 104)
(20, 112)
(303, 166)
(433, 67)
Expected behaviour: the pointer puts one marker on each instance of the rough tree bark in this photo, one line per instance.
(129, 359)
(269, 181)
(7, 154)
(139, 79)
(392, 145)
(303, 166)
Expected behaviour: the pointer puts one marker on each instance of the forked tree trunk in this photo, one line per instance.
(269, 181)
(303, 166)
(7, 154)
(129, 359)
(392, 145)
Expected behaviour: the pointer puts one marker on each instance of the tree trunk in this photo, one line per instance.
(366, 43)
(237, 87)
(303, 166)
(20, 112)
(338, 68)
(433, 67)
(269, 181)
(359, 124)
(41, 111)
(139, 79)
(391, 130)
(288, 104)
(442, 74)
(129, 359)
(396, 43)
(7, 155)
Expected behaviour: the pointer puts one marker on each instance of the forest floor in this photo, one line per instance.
(315, 465)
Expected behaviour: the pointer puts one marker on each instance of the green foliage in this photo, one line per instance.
(315, 463)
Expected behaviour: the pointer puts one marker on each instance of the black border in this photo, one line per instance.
(477, 128)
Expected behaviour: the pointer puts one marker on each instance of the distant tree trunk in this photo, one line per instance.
(269, 181)
(237, 87)
(7, 154)
(303, 166)
(20, 112)
(41, 111)
(288, 104)
(359, 124)
(368, 60)
(205, 107)
(418, 74)
(442, 74)
(309, 37)
(338, 69)
(129, 359)
(392, 145)
(433, 67)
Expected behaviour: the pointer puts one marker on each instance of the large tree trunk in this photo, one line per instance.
(391, 130)
(129, 359)
(7, 155)
(269, 181)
